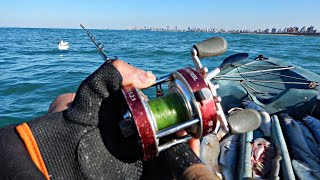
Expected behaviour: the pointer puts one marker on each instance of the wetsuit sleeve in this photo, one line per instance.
(15, 162)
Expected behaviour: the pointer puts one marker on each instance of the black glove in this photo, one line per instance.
(85, 141)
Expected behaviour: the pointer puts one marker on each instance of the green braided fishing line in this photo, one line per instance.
(168, 110)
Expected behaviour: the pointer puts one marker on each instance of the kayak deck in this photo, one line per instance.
(275, 85)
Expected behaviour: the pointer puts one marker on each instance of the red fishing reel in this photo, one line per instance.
(192, 104)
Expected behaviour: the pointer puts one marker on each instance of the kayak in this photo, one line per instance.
(275, 85)
(284, 147)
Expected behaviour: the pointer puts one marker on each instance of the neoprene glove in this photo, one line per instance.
(85, 141)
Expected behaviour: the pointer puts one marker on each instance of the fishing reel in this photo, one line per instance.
(192, 104)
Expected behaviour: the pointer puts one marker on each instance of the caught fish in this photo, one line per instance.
(228, 159)
(275, 169)
(313, 125)
(263, 153)
(297, 142)
(265, 126)
(302, 171)
(209, 153)
(309, 138)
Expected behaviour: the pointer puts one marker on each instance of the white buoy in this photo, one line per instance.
(63, 45)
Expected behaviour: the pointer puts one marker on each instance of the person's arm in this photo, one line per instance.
(70, 142)
(15, 162)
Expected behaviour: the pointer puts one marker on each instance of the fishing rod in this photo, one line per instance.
(99, 46)
(191, 104)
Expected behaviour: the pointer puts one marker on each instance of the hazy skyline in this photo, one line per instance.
(121, 14)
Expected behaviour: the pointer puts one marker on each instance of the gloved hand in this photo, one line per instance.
(85, 141)
(92, 108)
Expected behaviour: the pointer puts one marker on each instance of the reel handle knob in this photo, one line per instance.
(214, 46)
(243, 121)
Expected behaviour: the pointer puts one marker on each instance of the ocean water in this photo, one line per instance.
(33, 72)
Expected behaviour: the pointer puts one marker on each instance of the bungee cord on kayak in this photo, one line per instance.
(263, 81)
(267, 71)
(256, 71)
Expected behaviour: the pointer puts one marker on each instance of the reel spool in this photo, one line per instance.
(192, 105)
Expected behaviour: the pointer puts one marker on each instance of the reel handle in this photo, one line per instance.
(214, 46)
(226, 63)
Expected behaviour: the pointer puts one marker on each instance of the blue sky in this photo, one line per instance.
(120, 14)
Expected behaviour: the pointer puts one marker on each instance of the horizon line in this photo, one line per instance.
(128, 28)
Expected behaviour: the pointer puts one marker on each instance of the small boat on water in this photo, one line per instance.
(62, 45)
(286, 146)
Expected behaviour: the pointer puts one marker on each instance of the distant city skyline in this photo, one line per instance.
(292, 29)
(99, 14)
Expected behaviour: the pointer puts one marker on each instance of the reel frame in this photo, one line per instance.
(198, 99)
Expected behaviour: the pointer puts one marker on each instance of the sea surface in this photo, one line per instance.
(33, 71)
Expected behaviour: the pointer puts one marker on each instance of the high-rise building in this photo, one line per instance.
(310, 29)
(279, 31)
(290, 30)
